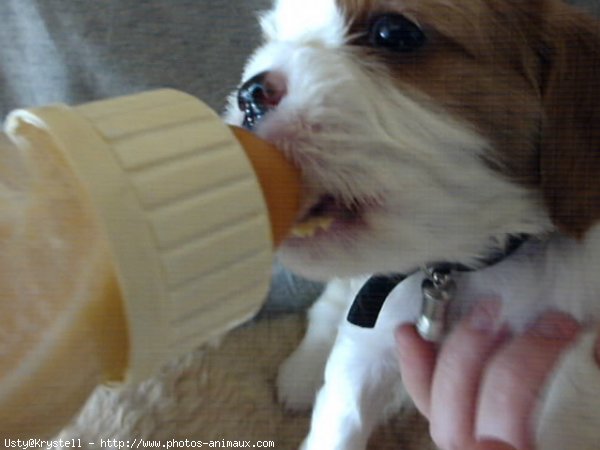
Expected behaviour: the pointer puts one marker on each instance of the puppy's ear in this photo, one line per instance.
(570, 137)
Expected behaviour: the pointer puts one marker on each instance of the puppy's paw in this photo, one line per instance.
(300, 377)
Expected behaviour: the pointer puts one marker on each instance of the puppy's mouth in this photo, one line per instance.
(328, 215)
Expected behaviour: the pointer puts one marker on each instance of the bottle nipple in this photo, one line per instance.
(279, 180)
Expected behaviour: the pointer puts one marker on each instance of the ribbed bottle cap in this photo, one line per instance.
(182, 210)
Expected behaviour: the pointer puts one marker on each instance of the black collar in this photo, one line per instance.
(371, 297)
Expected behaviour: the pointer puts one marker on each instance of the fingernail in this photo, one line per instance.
(484, 316)
(493, 443)
(555, 325)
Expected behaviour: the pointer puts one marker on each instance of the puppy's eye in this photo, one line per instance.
(395, 32)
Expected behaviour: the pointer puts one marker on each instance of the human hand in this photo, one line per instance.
(483, 382)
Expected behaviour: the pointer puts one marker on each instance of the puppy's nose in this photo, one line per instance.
(259, 95)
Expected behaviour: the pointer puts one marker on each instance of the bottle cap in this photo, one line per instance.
(182, 210)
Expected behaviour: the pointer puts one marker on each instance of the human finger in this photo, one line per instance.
(514, 377)
(459, 367)
(416, 358)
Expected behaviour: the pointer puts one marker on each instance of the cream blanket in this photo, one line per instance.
(225, 392)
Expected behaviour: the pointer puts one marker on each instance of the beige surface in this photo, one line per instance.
(226, 392)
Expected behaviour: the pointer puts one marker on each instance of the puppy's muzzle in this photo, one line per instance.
(259, 95)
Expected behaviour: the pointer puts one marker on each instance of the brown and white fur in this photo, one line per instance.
(490, 128)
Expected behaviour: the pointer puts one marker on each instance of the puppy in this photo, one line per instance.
(434, 131)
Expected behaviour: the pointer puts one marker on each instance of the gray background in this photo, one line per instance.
(79, 50)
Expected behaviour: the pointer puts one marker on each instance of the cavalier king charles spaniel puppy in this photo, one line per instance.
(462, 134)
